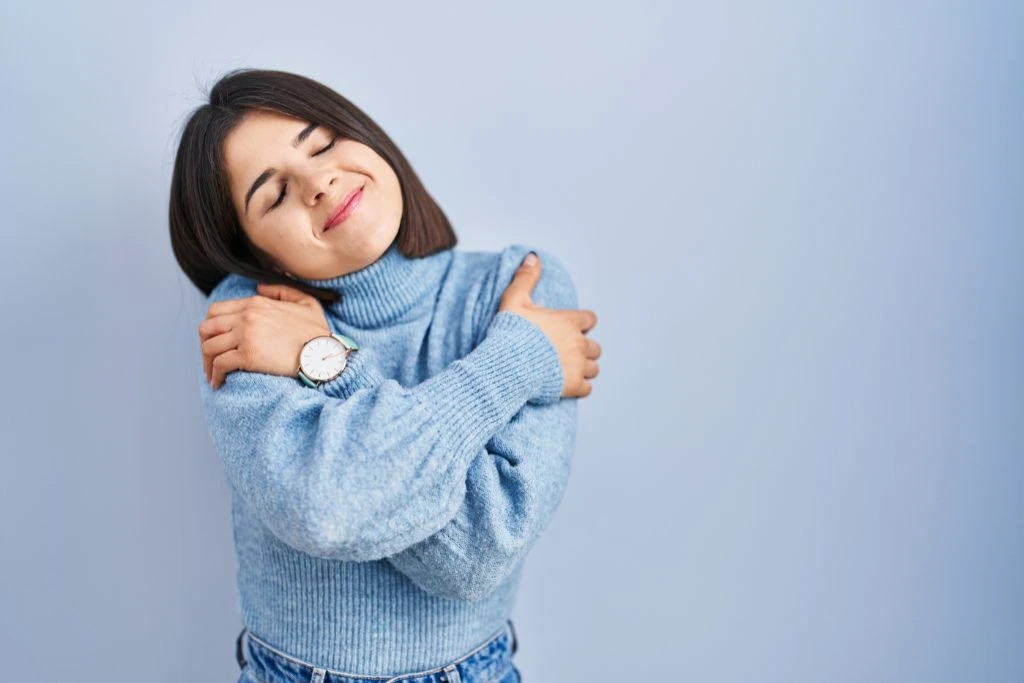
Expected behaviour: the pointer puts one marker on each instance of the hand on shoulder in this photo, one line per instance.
(565, 328)
(263, 332)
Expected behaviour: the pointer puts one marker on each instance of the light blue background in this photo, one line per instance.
(799, 223)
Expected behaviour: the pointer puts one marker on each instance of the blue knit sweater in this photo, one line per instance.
(381, 520)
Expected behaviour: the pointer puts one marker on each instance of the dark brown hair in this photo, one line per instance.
(206, 235)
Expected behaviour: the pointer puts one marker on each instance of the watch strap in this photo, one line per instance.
(312, 384)
(347, 341)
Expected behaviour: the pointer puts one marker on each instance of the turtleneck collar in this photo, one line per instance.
(386, 290)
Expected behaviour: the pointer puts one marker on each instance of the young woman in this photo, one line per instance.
(396, 417)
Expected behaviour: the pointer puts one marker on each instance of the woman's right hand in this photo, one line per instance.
(565, 328)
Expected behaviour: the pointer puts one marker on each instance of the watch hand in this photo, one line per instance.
(332, 355)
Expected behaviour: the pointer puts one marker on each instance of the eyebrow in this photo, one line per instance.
(268, 174)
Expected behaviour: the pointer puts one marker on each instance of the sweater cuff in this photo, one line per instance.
(546, 380)
(359, 373)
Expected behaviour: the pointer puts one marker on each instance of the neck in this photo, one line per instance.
(387, 290)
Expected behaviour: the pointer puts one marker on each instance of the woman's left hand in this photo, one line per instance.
(263, 333)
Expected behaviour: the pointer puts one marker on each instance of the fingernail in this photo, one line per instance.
(530, 259)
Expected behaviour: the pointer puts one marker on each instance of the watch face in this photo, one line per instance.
(323, 358)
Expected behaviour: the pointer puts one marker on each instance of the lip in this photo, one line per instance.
(345, 209)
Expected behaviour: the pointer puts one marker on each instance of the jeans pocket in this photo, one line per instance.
(497, 672)
(247, 675)
(506, 674)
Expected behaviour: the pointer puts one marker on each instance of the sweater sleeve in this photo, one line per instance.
(366, 467)
(513, 487)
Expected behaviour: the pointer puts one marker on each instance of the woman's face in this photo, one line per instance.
(265, 157)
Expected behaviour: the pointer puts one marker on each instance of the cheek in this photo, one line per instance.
(398, 207)
(281, 240)
(391, 190)
(291, 227)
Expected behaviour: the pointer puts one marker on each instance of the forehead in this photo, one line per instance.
(257, 137)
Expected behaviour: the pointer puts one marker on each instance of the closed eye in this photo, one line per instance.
(284, 188)
(333, 140)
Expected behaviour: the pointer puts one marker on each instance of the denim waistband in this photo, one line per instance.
(482, 663)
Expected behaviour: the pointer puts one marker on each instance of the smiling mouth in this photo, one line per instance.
(345, 209)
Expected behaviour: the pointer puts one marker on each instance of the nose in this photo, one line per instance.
(316, 184)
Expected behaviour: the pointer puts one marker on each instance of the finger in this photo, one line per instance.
(214, 346)
(225, 363)
(586, 319)
(590, 369)
(208, 366)
(593, 349)
(229, 306)
(292, 302)
(524, 279)
(218, 325)
(283, 293)
(233, 305)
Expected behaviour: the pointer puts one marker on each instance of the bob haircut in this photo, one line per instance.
(206, 235)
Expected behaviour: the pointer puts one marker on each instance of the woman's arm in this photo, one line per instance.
(512, 490)
(513, 485)
(365, 476)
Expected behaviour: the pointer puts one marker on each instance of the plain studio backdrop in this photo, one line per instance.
(801, 226)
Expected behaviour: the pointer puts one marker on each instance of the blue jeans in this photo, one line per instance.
(489, 663)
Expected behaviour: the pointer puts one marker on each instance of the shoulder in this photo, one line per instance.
(489, 273)
(554, 289)
(233, 286)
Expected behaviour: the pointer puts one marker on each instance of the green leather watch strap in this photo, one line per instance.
(347, 341)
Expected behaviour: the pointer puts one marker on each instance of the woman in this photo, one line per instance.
(388, 409)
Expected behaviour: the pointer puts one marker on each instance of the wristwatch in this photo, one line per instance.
(323, 358)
